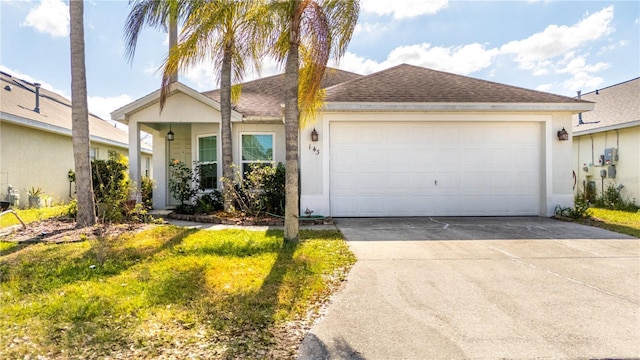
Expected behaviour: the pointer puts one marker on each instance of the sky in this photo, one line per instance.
(554, 46)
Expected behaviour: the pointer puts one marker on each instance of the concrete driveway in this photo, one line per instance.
(483, 288)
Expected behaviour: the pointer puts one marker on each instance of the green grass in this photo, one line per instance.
(619, 221)
(33, 215)
(164, 291)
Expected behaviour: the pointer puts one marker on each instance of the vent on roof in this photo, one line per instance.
(8, 87)
(37, 108)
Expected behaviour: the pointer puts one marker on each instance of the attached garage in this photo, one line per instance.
(435, 168)
(410, 141)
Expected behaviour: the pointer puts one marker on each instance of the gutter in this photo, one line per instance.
(34, 124)
(411, 107)
(607, 128)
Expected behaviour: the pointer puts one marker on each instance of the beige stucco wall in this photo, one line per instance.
(36, 158)
(555, 169)
(587, 150)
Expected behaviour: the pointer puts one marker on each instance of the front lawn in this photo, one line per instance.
(619, 221)
(167, 292)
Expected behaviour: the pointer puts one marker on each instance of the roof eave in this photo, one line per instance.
(34, 124)
(574, 108)
(606, 128)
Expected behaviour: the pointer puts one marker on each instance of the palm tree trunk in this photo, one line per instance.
(80, 118)
(225, 115)
(292, 127)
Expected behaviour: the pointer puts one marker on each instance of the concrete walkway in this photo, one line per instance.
(483, 288)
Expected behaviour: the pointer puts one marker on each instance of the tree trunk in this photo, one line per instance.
(173, 40)
(292, 127)
(80, 118)
(225, 131)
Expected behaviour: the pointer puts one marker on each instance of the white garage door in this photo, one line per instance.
(435, 169)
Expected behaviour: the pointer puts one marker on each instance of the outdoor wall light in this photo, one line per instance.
(563, 135)
(314, 135)
(170, 135)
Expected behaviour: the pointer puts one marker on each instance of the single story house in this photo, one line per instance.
(606, 141)
(36, 150)
(405, 141)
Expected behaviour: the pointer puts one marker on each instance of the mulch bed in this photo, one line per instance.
(246, 220)
(60, 230)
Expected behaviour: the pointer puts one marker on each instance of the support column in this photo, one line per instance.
(134, 160)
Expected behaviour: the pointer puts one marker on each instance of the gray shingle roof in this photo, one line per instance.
(413, 84)
(55, 110)
(264, 97)
(615, 106)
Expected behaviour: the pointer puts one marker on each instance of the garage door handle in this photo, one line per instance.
(435, 182)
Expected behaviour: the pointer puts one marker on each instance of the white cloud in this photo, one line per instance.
(370, 28)
(103, 106)
(49, 17)
(544, 87)
(581, 81)
(464, 59)
(616, 45)
(555, 40)
(402, 9)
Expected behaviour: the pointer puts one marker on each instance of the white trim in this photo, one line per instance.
(273, 147)
(412, 106)
(606, 128)
(196, 156)
(121, 114)
(35, 124)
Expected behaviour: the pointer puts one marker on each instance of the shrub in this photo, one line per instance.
(183, 184)
(261, 190)
(146, 191)
(209, 203)
(614, 200)
(580, 209)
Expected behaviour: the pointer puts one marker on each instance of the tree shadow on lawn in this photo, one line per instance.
(242, 324)
(256, 312)
(55, 266)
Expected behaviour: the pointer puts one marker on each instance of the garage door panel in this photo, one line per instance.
(394, 169)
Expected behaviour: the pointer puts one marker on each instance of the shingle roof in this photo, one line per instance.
(615, 106)
(55, 110)
(264, 97)
(413, 84)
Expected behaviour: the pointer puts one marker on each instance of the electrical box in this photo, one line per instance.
(603, 173)
(601, 160)
(611, 172)
(587, 169)
(610, 156)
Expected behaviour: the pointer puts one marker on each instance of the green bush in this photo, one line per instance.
(146, 191)
(613, 199)
(183, 183)
(209, 203)
(580, 209)
(261, 190)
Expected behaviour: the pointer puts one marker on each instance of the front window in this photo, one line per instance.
(256, 149)
(208, 161)
(93, 153)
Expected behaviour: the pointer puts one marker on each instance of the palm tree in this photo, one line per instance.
(317, 30)
(156, 14)
(86, 215)
(228, 32)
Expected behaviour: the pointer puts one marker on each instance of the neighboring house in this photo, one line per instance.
(406, 141)
(36, 150)
(606, 141)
